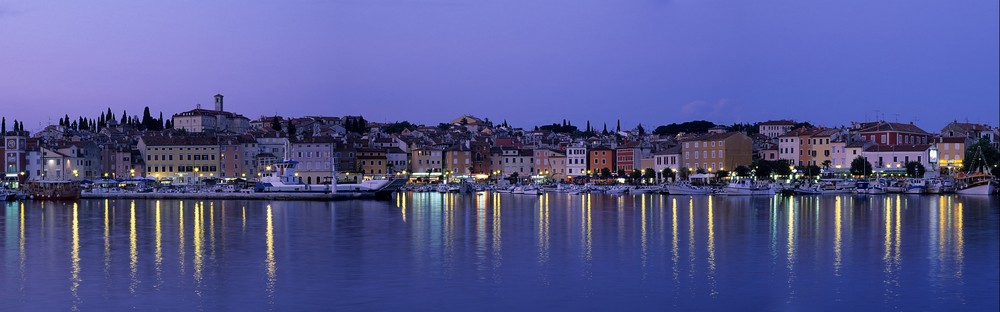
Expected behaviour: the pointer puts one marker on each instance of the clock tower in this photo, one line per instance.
(13, 158)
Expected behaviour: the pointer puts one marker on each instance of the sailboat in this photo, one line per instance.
(977, 182)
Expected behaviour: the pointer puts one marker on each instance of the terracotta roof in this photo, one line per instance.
(898, 148)
(778, 123)
(711, 137)
(163, 140)
(894, 126)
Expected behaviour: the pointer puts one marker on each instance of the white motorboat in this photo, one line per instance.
(747, 187)
(685, 188)
(916, 186)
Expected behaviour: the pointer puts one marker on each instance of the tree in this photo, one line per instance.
(443, 126)
(861, 167)
(667, 173)
(635, 175)
(782, 168)
(618, 128)
(798, 125)
(3, 126)
(700, 171)
(605, 132)
(513, 177)
(291, 130)
(980, 156)
(811, 171)
(649, 174)
(398, 127)
(763, 169)
(697, 126)
(722, 174)
(640, 129)
(683, 173)
(742, 171)
(276, 123)
(605, 173)
(915, 169)
(827, 164)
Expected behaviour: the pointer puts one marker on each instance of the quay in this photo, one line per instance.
(235, 196)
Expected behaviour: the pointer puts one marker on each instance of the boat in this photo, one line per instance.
(748, 187)
(284, 180)
(7, 195)
(53, 189)
(868, 187)
(685, 188)
(974, 184)
(646, 189)
(979, 182)
(916, 186)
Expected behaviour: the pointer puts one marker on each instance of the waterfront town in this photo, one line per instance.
(212, 144)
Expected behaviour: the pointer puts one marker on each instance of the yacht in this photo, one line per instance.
(747, 187)
(685, 188)
(974, 184)
(283, 180)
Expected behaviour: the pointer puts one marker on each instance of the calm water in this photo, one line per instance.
(505, 252)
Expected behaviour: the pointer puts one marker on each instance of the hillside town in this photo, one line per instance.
(213, 144)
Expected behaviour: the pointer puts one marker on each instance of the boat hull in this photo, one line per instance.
(984, 189)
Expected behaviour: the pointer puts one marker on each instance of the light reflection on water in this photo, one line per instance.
(556, 251)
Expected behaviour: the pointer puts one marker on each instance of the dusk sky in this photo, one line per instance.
(530, 62)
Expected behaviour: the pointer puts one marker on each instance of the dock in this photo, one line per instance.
(235, 196)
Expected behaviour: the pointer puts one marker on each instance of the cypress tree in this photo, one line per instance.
(3, 126)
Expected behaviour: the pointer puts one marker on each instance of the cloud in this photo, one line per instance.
(703, 108)
(7, 11)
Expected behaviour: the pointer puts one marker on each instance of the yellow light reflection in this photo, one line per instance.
(158, 251)
(22, 255)
(107, 238)
(790, 256)
(543, 230)
(588, 238)
(691, 236)
(837, 236)
(133, 251)
(269, 261)
(198, 239)
(75, 258)
(674, 241)
(644, 243)
(959, 233)
(180, 236)
(711, 247)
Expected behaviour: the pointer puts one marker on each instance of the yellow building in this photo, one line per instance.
(951, 152)
(717, 151)
(180, 160)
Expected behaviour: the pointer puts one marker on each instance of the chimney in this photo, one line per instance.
(218, 102)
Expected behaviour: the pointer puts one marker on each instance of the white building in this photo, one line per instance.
(789, 147)
(315, 157)
(669, 158)
(894, 158)
(204, 120)
(576, 161)
(775, 128)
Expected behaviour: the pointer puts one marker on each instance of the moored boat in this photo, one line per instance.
(53, 190)
(747, 187)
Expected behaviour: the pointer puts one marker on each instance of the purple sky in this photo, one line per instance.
(527, 61)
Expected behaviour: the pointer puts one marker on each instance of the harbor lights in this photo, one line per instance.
(76, 173)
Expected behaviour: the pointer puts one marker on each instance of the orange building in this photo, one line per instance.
(600, 158)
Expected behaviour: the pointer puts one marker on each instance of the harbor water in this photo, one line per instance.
(505, 252)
